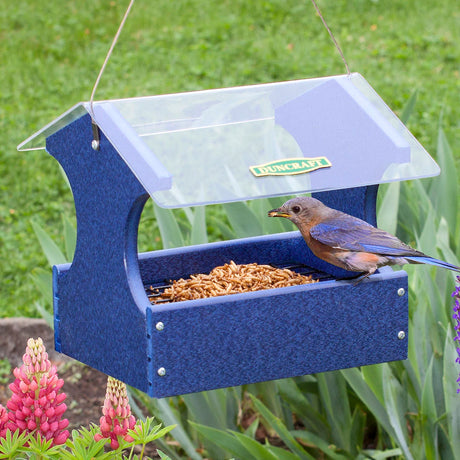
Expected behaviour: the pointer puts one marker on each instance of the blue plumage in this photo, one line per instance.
(349, 242)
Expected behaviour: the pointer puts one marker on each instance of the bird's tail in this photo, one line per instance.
(432, 261)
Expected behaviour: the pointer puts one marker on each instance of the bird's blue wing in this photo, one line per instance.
(349, 233)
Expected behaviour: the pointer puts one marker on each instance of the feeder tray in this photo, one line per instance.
(219, 146)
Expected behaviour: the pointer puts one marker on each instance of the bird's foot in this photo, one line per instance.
(360, 278)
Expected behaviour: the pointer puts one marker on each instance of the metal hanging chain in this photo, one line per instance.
(332, 36)
(112, 46)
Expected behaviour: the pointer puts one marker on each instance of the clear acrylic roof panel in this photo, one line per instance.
(209, 140)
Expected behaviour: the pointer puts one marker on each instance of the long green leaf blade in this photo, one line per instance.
(243, 220)
(169, 229)
(281, 429)
(199, 233)
(396, 411)
(52, 252)
(224, 440)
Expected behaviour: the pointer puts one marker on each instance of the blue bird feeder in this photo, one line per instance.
(333, 137)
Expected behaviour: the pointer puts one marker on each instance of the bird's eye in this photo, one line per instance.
(296, 209)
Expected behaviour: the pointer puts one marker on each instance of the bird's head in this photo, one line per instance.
(301, 210)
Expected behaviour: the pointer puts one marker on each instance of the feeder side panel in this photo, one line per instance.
(360, 202)
(99, 321)
(278, 333)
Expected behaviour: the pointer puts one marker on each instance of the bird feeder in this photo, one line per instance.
(333, 137)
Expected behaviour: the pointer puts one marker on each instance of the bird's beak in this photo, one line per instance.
(277, 213)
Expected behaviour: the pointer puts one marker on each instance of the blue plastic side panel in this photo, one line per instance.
(244, 338)
(99, 322)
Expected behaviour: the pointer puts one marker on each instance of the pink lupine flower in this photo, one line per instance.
(3, 420)
(37, 403)
(117, 418)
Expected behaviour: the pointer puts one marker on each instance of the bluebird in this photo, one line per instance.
(349, 242)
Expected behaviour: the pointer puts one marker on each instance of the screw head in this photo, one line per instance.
(161, 371)
(401, 335)
(159, 326)
(401, 292)
(95, 144)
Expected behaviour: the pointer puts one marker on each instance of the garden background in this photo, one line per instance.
(50, 54)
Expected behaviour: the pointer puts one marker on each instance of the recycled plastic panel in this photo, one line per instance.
(204, 142)
(272, 334)
(244, 338)
(104, 318)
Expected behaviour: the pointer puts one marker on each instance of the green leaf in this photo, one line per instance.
(225, 440)
(43, 280)
(389, 207)
(169, 229)
(162, 455)
(227, 232)
(333, 393)
(312, 418)
(257, 450)
(409, 107)
(252, 428)
(167, 414)
(208, 408)
(429, 416)
(366, 395)
(81, 445)
(357, 431)
(39, 445)
(269, 225)
(144, 432)
(49, 247)
(45, 314)
(70, 237)
(199, 233)
(243, 220)
(373, 376)
(396, 410)
(318, 442)
(280, 428)
(280, 453)
(444, 189)
(382, 454)
(12, 443)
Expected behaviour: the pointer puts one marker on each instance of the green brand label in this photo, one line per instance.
(289, 166)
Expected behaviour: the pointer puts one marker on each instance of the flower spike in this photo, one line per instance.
(117, 418)
(37, 403)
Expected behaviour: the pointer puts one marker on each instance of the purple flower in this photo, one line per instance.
(456, 317)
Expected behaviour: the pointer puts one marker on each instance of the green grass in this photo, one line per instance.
(50, 55)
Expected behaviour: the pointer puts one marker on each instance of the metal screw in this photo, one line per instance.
(95, 144)
(159, 326)
(401, 335)
(401, 292)
(161, 371)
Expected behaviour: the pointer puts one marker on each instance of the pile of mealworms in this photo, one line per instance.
(231, 279)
